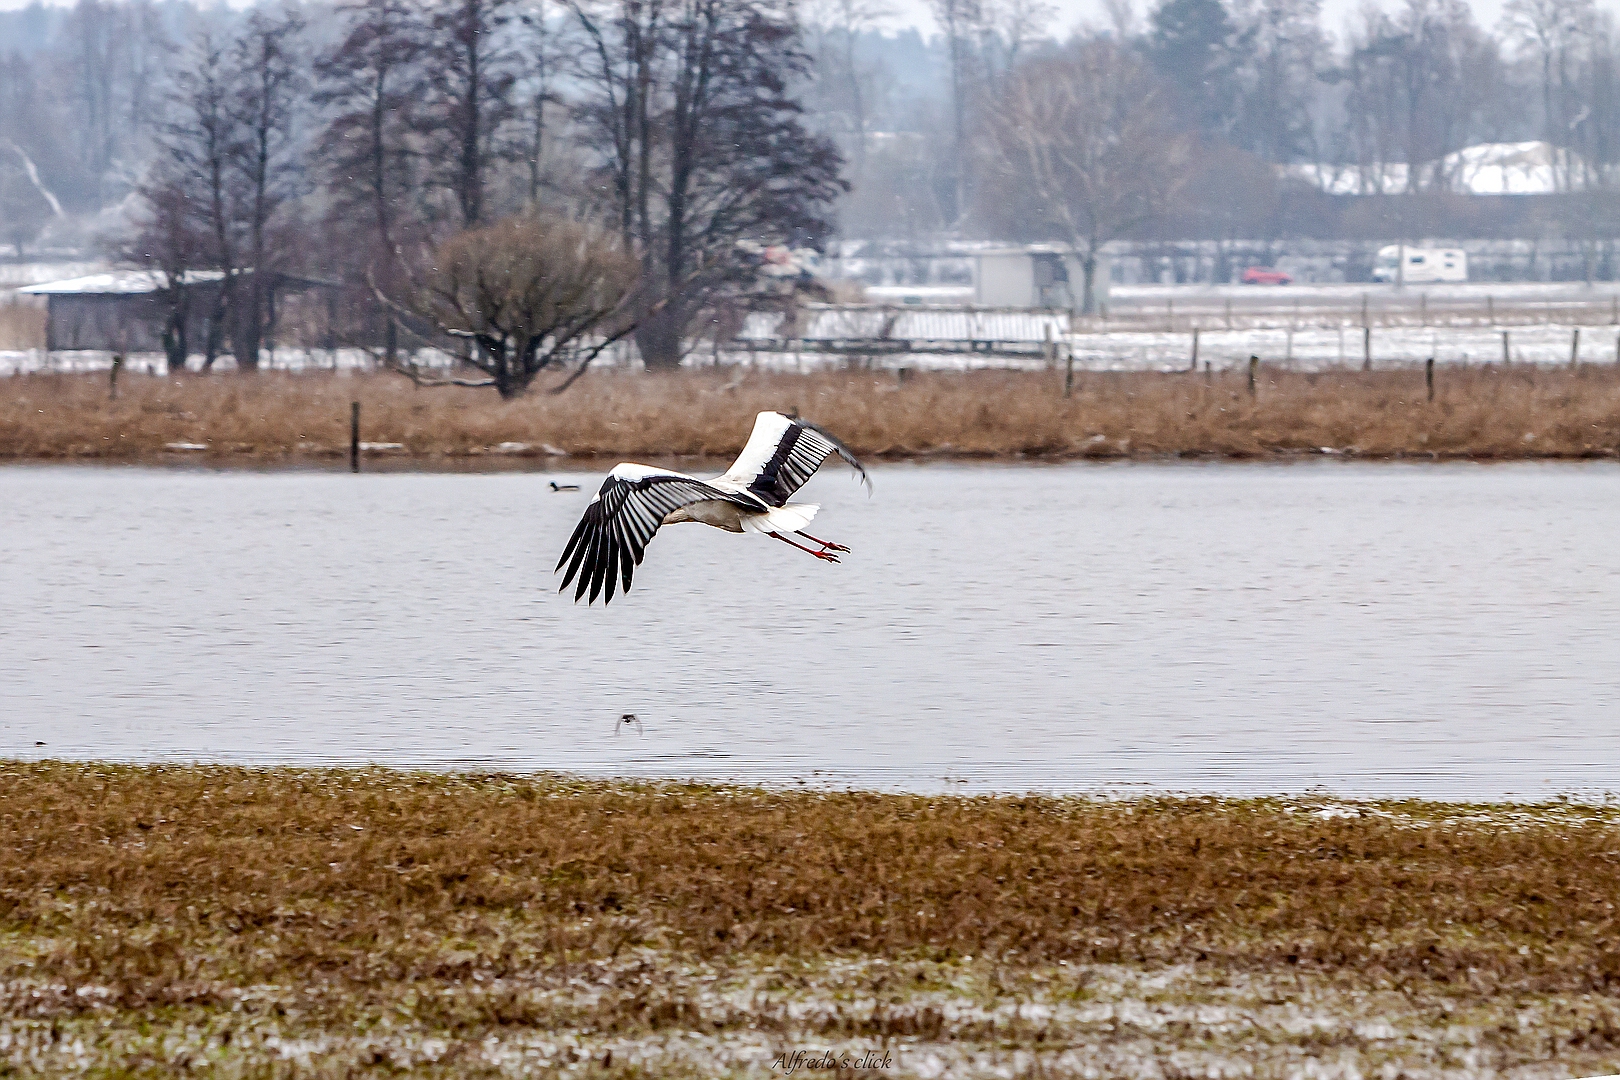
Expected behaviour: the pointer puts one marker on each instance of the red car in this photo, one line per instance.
(1265, 275)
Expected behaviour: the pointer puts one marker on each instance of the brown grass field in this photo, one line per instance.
(1512, 412)
(22, 325)
(215, 921)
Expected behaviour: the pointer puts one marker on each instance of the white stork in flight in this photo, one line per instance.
(752, 496)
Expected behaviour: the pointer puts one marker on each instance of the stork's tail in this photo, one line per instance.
(789, 518)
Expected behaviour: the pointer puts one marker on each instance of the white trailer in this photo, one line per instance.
(1404, 265)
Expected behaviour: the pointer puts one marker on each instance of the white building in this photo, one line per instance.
(1036, 276)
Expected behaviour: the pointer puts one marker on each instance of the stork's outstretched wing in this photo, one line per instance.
(623, 516)
(782, 453)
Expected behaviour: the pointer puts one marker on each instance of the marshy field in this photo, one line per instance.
(219, 921)
(1498, 412)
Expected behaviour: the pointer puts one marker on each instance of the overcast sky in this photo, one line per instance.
(1070, 12)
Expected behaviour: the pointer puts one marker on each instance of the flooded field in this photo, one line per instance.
(1369, 629)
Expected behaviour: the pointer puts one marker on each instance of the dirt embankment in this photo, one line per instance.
(240, 922)
(1513, 412)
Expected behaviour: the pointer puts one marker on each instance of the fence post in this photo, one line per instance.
(1366, 348)
(1254, 362)
(1423, 309)
(1068, 373)
(1490, 310)
(1507, 354)
(1575, 350)
(1428, 376)
(1049, 351)
(1229, 313)
(354, 436)
(112, 376)
(1288, 352)
(1364, 322)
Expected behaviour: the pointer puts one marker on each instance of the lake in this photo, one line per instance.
(1447, 631)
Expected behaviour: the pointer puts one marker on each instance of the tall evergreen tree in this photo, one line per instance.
(1195, 47)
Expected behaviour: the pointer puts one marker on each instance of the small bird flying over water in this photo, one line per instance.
(752, 496)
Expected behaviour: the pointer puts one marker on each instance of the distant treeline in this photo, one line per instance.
(343, 141)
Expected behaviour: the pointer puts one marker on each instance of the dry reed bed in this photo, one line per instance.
(1498, 412)
(22, 325)
(244, 921)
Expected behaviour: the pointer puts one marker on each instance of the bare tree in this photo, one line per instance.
(1009, 28)
(1278, 78)
(524, 295)
(109, 58)
(542, 52)
(170, 244)
(692, 104)
(843, 84)
(1549, 29)
(1085, 147)
(200, 149)
(465, 97)
(269, 84)
(959, 20)
(1417, 83)
(367, 146)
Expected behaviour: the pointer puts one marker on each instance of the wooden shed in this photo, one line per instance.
(1036, 276)
(126, 310)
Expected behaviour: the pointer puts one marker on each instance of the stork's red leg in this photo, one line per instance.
(828, 544)
(825, 556)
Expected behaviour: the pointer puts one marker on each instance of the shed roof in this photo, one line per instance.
(146, 282)
(117, 283)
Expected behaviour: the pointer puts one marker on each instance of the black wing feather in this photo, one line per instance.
(612, 535)
(803, 448)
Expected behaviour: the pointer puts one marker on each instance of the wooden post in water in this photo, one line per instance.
(1507, 354)
(1193, 366)
(1254, 363)
(1366, 348)
(354, 436)
(1428, 376)
(1575, 349)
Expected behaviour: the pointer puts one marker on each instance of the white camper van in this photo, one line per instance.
(1422, 265)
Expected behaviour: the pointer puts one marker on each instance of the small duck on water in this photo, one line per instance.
(563, 487)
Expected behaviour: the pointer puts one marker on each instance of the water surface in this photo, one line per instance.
(1446, 631)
